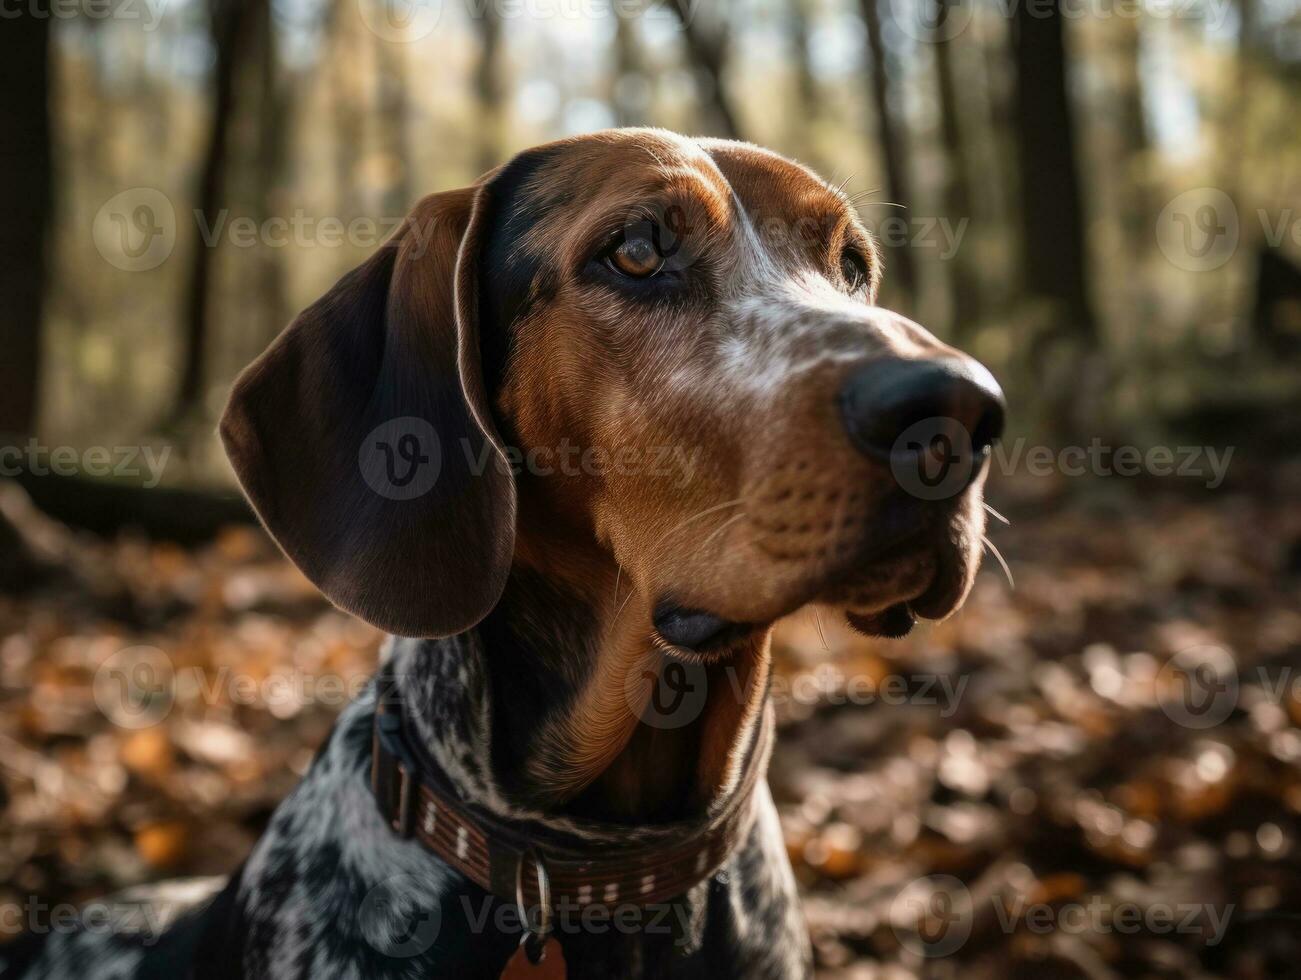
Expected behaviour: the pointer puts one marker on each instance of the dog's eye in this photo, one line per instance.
(854, 268)
(636, 257)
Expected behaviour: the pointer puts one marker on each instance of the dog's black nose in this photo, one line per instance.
(895, 407)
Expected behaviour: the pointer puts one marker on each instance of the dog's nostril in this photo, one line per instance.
(894, 406)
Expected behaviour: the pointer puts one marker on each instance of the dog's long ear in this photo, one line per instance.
(364, 438)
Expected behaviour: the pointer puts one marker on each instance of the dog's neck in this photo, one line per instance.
(555, 687)
(577, 724)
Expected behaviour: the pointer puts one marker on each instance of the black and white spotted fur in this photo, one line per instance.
(331, 892)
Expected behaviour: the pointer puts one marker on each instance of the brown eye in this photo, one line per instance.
(854, 268)
(637, 258)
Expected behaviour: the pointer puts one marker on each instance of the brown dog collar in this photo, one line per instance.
(533, 867)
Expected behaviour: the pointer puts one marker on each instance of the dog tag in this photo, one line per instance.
(550, 967)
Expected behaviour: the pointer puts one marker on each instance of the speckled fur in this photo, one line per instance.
(330, 891)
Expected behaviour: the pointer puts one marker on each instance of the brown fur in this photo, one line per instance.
(741, 368)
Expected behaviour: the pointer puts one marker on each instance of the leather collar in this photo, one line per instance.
(531, 865)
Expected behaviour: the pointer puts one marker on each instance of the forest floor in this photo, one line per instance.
(1094, 773)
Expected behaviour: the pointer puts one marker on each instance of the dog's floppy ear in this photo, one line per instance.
(364, 438)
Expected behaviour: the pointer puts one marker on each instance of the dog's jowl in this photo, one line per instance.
(577, 436)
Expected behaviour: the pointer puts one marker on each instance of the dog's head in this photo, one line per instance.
(661, 349)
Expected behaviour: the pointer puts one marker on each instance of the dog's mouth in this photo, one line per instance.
(915, 569)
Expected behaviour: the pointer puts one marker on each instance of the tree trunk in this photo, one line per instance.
(26, 199)
(274, 126)
(707, 52)
(1135, 198)
(488, 89)
(1052, 219)
(627, 96)
(233, 21)
(899, 261)
(803, 121)
(349, 133)
(391, 123)
(964, 287)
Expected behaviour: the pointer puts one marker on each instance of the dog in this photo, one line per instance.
(577, 436)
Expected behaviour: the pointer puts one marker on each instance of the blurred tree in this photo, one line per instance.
(390, 118)
(234, 25)
(488, 88)
(899, 260)
(348, 138)
(964, 288)
(629, 86)
(275, 109)
(26, 199)
(808, 103)
(1054, 258)
(707, 52)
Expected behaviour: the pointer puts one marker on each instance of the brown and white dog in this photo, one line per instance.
(620, 405)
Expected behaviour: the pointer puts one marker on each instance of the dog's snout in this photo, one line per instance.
(893, 405)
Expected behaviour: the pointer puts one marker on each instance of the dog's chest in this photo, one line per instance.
(331, 891)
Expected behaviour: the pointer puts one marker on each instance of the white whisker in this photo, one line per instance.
(999, 555)
(994, 513)
(817, 621)
(706, 511)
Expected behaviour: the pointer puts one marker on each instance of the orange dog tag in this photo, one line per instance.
(550, 967)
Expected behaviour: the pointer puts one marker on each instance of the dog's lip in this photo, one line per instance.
(893, 623)
(696, 632)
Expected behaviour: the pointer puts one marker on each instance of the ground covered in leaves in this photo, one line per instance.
(1094, 773)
